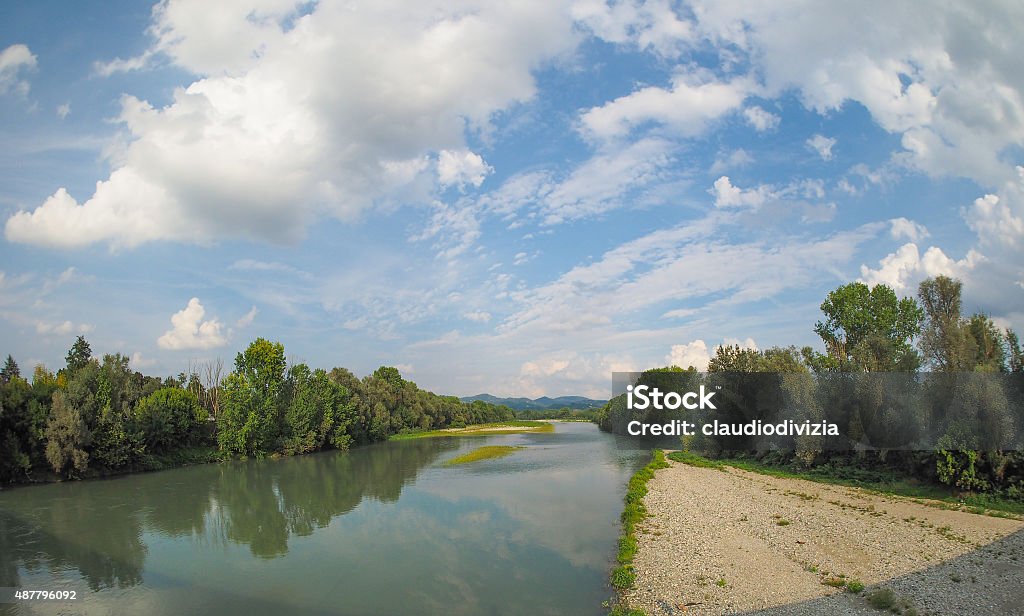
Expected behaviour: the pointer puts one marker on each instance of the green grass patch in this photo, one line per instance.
(487, 429)
(483, 453)
(633, 513)
(877, 481)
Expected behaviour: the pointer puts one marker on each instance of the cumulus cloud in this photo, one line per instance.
(822, 145)
(190, 331)
(276, 131)
(999, 219)
(690, 354)
(904, 269)
(902, 228)
(461, 167)
(13, 61)
(727, 195)
(760, 119)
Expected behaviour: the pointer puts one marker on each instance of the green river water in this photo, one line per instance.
(383, 529)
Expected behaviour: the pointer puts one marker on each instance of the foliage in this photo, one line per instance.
(67, 437)
(79, 355)
(10, 371)
(869, 329)
(623, 576)
(169, 418)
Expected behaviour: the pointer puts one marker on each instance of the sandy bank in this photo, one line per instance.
(736, 542)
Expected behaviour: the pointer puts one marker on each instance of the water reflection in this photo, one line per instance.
(385, 529)
(97, 527)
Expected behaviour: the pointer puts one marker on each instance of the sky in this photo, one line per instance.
(514, 198)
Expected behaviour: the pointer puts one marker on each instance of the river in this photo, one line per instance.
(382, 529)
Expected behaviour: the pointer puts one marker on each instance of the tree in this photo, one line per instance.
(79, 355)
(250, 420)
(946, 341)
(67, 437)
(989, 344)
(1015, 357)
(10, 370)
(869, 329)
(169, 418)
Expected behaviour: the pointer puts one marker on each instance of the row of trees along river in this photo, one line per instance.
(98, 416)
(925, 346)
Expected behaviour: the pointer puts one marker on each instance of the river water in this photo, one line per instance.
(382, 529)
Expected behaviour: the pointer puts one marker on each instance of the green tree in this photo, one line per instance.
(250, 422)
(169, 418)
(67, 437)
(79, 355)
(946, 341)
(869, 329)
(1014, 355)
(989, 344)
(16, 434)
(10, 370)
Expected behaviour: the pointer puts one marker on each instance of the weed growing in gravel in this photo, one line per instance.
(882, 599)
(782, 522)
(854, 586)
(721, 583)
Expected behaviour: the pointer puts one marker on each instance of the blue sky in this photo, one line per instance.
(514, 199)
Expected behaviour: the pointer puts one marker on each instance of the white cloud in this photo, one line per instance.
(190, 331)
(760, 119)
(477, 316)
(999, 219)
(63, 328)
(734, 160)
(694, 101)
(63, 110)
(278, 132)
(904, 269)
(652, 24)
(138, 361)
(461, 167)
(246, 319)
(903, 228)
(690, 354)
(822, 145)
(13, 60)
(727, 195)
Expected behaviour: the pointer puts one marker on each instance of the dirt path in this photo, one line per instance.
(736, 542)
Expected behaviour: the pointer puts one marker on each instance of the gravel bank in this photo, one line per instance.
(736, 542)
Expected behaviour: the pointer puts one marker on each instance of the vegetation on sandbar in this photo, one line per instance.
(484, 453)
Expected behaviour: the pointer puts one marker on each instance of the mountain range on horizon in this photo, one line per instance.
(539, 404)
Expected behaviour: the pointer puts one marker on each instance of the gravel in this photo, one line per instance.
(735, 542)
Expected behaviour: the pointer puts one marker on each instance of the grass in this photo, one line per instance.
(483, 453)
(524, 426)
(879, 482)
(623, 576)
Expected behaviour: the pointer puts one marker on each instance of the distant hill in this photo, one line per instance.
(539, 404)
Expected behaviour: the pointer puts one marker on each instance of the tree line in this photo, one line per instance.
(893, 370)
(96, 415)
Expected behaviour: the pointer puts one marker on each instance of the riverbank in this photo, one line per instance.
(201, 454)
(726, 541)
(502, 427)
